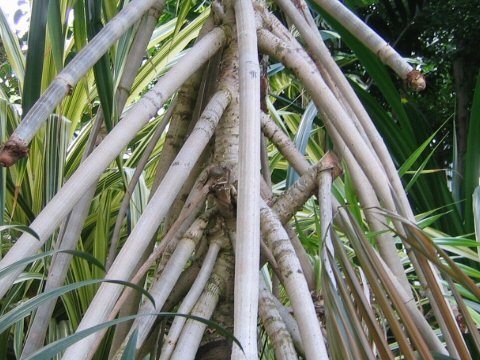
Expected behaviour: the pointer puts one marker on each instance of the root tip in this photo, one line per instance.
(12, 151)
(416, 80)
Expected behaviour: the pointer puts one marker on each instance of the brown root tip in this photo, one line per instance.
(416, 80)
(331, 161)
(12, 151)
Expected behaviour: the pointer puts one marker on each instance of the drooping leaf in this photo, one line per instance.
(22, 310)
(415, 156)
(21, 228)
(54, 348)
(35, 257)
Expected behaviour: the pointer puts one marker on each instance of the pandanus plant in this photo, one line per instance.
(215, 243)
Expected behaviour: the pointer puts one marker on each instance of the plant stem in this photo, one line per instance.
(190, 299)
(247, 246)
(154, 213)
(295, 284)
(88, 172)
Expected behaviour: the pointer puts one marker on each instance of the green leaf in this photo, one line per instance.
(168, 54)
(416, 154)
(401, 126)
(102, 69)
(22, 310)
(121, 56)
(55, 33)
(456, 241)
(110, 8)
(35, 55)
(21, 228)
(185, 7)
(57, 130)
(354, 4)
(54, 348)
(377, 71)
(457, 182)
(422, 166)
(79, 25)
(131, 349)
(431, 219)
(35, 257)
(302, 137)
(3, 172)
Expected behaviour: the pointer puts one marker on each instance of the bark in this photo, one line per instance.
(295, 284)
(131, 186)
(247, 247)
(162, 286)
(286, 146)
(274, 325)
(192, 296)
(178, 129)
(235, 107)
(67, 240)
(325, 181)
(192, 332)
(338, 83)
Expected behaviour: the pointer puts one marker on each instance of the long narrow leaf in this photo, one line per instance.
(302, 137)
(364, 307)
(166, 55)
(21, 228)
(35, 257)
(407, 165)
(131, 349)
(55, 33)
(102, 69)
(185, 7)
(20, 311)
(422, 166)
(54, 348)
(466, 316)
(35, 54)
(54, 151)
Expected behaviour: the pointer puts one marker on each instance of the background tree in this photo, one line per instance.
(440, 36)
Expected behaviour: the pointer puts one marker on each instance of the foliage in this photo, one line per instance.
(436, 35)
(352, 291)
